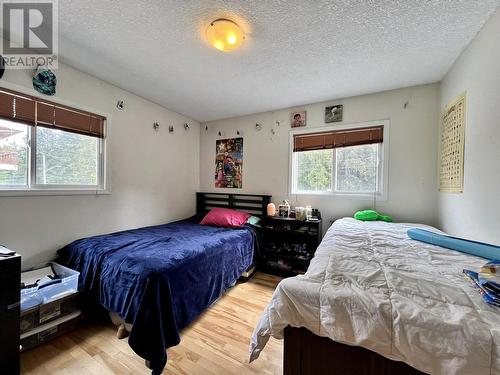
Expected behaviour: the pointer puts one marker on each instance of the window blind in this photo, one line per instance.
(17, 108)
(38, 112)
(340, 138)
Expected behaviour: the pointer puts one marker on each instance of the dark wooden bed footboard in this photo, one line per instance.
(308, 354)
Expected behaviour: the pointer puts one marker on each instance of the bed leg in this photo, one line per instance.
(121, 332)
(292, 354)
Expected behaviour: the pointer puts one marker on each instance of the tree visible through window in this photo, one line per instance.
(64, 158)
(314, 170)
(356, 169)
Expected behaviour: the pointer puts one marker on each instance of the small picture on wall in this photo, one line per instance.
(298, 119)
(229, 163)
(334, 113)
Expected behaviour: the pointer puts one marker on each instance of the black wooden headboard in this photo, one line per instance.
(253, 204)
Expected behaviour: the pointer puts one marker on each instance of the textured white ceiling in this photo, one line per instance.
(296, 52)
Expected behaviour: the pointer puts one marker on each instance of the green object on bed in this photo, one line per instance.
(385, 218)
(371, 215)
(366, 215)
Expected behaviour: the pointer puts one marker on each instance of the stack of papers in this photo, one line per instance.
(487, 281)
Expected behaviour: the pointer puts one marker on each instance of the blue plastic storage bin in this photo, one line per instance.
(45, 293)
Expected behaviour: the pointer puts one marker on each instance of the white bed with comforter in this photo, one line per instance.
(370, 285)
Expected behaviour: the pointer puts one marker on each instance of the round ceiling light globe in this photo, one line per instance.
(225, 35)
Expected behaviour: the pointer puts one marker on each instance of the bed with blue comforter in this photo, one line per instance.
(160, 278)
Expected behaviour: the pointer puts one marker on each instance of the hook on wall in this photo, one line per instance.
(120, 104)
(206, 128)
(407, 103)
(186, 126)
(220, 133)
(156, 126)
(170, 129)
(258, 127)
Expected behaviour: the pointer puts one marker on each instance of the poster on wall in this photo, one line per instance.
(229, 163)
(452, 147)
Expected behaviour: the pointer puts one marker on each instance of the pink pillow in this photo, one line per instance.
(225, 217)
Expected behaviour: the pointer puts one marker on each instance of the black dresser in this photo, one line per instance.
(288, 245)
(10, 291)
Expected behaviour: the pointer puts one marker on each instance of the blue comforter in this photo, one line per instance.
(160, 278)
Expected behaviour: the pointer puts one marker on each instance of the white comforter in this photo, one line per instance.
(370, 285)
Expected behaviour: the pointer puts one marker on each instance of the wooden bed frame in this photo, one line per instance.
(254, 204)
(308, 354)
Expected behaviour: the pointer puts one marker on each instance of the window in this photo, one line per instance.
(46, 146)
(338, 162)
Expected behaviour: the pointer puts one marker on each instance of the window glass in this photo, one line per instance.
(313, 171)
(13, 153)
(357, 169)
(64, 158)
(350, 170)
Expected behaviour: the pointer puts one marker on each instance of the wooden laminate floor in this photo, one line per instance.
(217, 343)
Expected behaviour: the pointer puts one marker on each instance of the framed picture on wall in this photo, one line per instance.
(298, 119)
(452, 146)
(334, 113)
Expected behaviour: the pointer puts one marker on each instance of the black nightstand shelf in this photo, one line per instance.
(288, 245)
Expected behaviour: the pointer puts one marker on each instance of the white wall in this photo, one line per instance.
(475, 213)
(412, 165)
(154, 175)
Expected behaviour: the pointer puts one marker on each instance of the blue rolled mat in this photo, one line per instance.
(479, 249)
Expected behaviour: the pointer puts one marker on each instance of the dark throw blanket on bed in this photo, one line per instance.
(160, 278)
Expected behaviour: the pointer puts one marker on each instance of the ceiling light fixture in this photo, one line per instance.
(225, 35)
